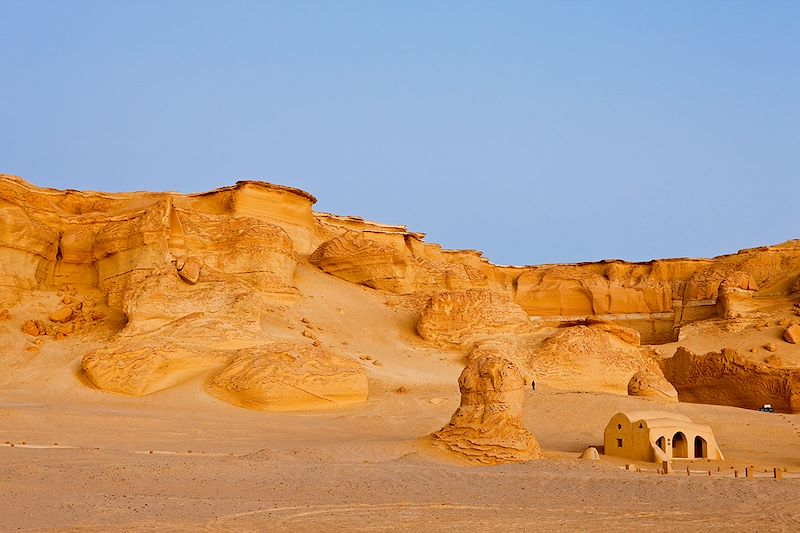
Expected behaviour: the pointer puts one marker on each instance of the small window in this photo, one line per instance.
(619, 443)
(641, 426)
(619, 426)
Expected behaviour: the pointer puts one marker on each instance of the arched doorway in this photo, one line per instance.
(700, 448)
(680, 448)
(661, 442)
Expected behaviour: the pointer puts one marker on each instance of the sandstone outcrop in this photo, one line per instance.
(357, 259)
(650, 384)
(112, 242)
(590, 454)
(588, 358)
(463, 317)
(659, 296)
(487, 427)
(629, 335)
(795, 286)
(289, 377)
(183, 285)
(393, 265)
(142, 371)
(792, 334)
(727, 378)
(734, 294)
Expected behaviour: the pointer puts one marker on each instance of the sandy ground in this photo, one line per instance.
(86, 465)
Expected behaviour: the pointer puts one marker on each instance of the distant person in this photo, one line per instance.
(533, 385)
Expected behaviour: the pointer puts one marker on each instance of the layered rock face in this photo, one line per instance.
(592, 358)
(391, 264)
(190, 276)
(655, 298)
(290, 377)
(170, 287)
(727, 378)
(658, 297)
(463, 317)
(357, 259)
(487, 428)
(649, 384)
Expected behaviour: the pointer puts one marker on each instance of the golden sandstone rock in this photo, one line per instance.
(64, 314)
(649, 384)
(290, 377)
(171, 286)
(30, 328)
(589, 358)
(462, 317)
(189, 270)
(792, 334)
(727, 378)
(487, 428)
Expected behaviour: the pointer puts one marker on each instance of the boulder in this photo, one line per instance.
(30, 328)
(189, 270)
(487, 428)
(590, 454)
(792, 334)
(357, 259)
(64, 314)
(650, 384)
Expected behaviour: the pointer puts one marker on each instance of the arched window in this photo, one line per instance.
(661, 442)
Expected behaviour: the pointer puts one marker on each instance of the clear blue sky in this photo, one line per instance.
(535, 131)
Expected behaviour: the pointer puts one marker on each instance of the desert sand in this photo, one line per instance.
(235, 361)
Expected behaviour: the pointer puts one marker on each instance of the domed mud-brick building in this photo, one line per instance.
(657, 436)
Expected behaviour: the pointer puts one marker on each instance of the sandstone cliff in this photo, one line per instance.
(159, 289)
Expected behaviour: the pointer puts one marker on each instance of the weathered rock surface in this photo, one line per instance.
(735, 293)
(487, 428)
(792, 334)
(178, 285)
(590, 454)
(142, 371)
(629, 335)
(588, 358)
(650, 384)
(727, 378)
(394, 265)
(289, 377)
(463, 317)
(357, 259)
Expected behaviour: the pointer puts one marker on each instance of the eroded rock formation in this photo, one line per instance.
(728, 378)
(650, 384)
(487, 427)
(290, 377)
(393, 264)
(169, 287)
(589, 358)
(462, 317)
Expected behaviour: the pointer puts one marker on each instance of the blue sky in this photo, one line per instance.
(537, 132)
